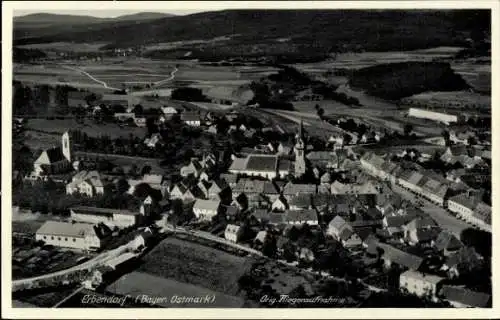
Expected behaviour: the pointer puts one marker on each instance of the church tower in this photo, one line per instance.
(66, 147)
(300, 158)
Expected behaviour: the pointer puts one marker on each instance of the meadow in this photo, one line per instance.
(196, 264)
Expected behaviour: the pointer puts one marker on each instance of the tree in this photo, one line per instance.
(446, 136)
(321, 112)
(122, 186)
(408, 128)
(472, 140)
(146, 170)
(347, 139)
(138, 110)
(269, 246)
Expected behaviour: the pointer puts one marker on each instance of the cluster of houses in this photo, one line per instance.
(360, 213)
(457, 198)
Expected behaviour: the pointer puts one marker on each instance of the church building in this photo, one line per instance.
(55, 160)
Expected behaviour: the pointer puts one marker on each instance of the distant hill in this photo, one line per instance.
(45, 24)
(278, 31)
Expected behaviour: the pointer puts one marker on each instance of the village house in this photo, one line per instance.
(447, 243)
(461, 297)
(206, 209)
(291, 190)
(219, 190)
(55, 160)
(153, 141)
(192, 119)
(394, 256)
(233, 233)
(461, 262)
(140, 121)
(169, 112)
(342, 231)
(280, 204)
(120, 218)
(469, 206)
(231, 179)
(301, 201)
(155, 181)
(193, 168)
(204, 186)
(124, 116)
(419, 284)
(323, 159)
(421, 230)
(359, 189)
(83, 236)
(86, 182)
(296, 217)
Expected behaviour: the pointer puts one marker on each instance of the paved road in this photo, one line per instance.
(440, 215)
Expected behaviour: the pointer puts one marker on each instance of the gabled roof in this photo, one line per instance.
(55, 155)
(261, 214)
(229, 177)
(373, 159)
(293, 188)
(422, 276)
(421, 222)
(190, 116)
(400, 257)
(206, 204)
(262, 163)
(270, 188)
(465, 296)
(398, 221)
(337, 223)
(447, 241)
(300, 215)
(67, 229)
(301, 201)
(465, 200)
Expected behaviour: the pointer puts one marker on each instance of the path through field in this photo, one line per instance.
(104, 84)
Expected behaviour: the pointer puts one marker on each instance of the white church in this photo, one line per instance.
(55, 160)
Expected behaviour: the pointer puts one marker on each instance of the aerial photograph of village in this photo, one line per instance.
(252, 158)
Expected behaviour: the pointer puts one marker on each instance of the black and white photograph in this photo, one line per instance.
(245, 157)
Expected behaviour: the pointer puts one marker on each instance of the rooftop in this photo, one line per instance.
(67, 229)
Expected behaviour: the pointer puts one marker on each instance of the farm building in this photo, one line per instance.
(115, 217)
(119, 99)
(70, 235)
(431, 115)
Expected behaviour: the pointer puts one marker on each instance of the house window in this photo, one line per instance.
(65, 239)
(59, 238)
(51, 238)
(74, 240)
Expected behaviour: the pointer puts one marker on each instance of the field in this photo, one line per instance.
(92, 129)
(356, 61)
(66, 46)
(137, 284)
(196, 264)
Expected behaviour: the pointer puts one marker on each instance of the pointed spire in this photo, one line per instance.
(301, 125)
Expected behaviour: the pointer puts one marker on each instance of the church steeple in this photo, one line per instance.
(300, 159)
